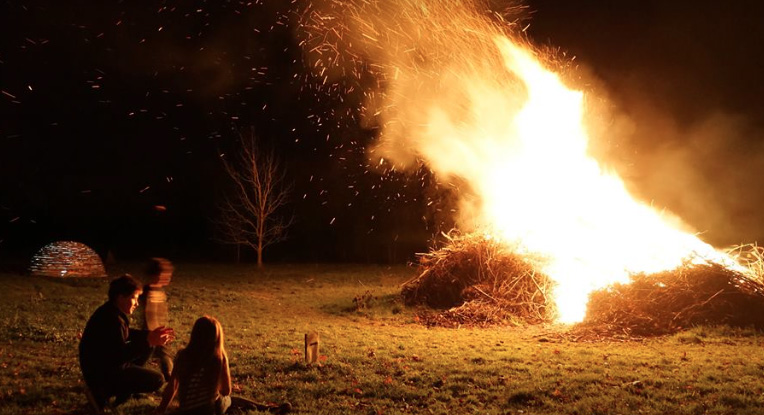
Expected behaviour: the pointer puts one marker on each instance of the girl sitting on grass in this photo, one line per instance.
(201, 377)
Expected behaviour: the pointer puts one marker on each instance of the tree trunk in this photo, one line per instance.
(260, 234)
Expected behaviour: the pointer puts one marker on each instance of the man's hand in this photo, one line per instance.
(161, 336)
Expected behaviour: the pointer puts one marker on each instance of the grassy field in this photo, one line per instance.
(375, 358)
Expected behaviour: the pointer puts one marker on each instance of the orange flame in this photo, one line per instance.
(541, 191)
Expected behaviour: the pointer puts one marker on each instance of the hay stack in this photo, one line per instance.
(669, 301)
(479, 281)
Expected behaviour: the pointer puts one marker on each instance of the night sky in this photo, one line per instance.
(115, 115)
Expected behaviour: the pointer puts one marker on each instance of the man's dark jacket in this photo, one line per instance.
(109, 344)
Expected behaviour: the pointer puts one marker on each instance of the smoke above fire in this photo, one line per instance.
(702, 169)
(460, 89)
(436, 67)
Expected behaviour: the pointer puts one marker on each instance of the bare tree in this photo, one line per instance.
(247, 215)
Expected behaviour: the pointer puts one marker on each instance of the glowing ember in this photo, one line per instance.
(474, 104)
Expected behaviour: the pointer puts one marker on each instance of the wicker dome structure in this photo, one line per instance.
(67, 259)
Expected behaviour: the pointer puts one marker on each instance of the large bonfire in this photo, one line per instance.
(546, 226)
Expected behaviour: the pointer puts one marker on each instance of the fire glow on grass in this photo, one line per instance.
(463, 96)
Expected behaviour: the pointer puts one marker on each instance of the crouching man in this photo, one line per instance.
(112, 354)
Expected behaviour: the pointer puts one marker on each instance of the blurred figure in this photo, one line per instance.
(155, 310)
(112, 354)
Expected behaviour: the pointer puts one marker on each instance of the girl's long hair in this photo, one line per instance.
(206, 346)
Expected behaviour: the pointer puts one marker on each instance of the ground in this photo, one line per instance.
(375, 358)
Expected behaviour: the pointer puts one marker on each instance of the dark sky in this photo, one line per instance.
(688, 57)
(114, 115)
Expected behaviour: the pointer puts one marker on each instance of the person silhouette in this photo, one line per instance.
(112, 354)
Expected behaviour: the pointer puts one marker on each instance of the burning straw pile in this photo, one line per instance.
(474, 280)
(479, 281)
(669, 301)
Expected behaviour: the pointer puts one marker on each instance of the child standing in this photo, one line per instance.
(155, 311)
